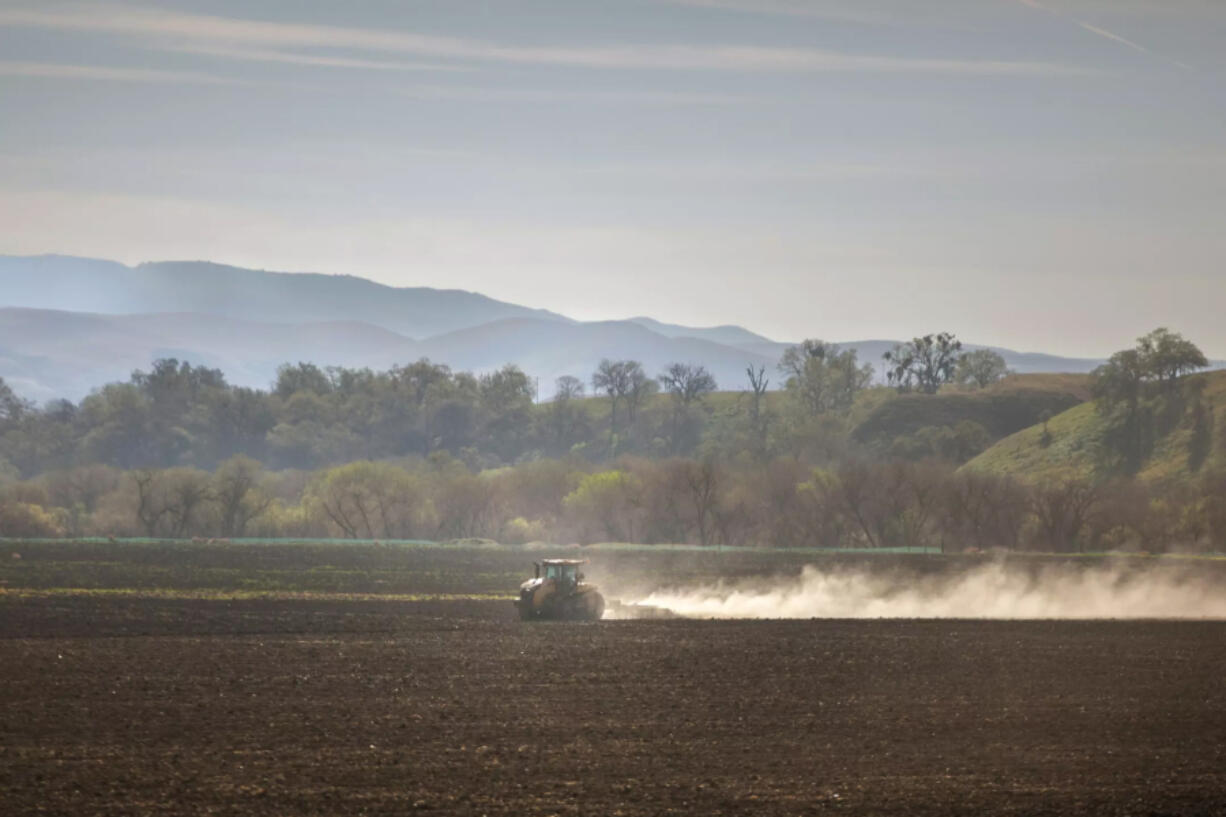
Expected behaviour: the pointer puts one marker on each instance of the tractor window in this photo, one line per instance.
(564, 573)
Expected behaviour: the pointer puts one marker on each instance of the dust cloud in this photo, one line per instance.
(991, 591)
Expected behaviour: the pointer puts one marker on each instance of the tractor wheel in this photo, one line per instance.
(594, 602)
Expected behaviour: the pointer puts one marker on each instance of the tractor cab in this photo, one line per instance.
(557, 591)
(564, 572)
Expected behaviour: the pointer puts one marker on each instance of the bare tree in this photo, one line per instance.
(758, 384)
(187, 492)
(234, 487)
(369, 500)
(149, 507)
(687, 382)
(611, 378)
(638, 387)
(1063, 510)
(622, 381)
(703, 480)
(568, 387)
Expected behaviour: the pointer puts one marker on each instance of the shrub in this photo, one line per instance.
(21, 520)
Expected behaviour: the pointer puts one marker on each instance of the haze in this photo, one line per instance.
(1034, 175)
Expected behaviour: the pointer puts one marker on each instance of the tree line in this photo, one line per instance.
(177, 413)
(781, 503)
(422, 452)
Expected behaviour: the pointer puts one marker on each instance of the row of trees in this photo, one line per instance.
(781, 503)
(180, 414)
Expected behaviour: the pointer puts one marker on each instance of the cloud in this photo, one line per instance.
(47, 70)
(851, 13)
(269, 55)
(1104, 33)
(253, 39)
(549, 95)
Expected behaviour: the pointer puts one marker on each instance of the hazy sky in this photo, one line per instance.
(1039, 174)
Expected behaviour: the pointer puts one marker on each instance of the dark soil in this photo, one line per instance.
(125, 706)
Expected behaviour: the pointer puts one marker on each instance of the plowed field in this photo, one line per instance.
(129, 705)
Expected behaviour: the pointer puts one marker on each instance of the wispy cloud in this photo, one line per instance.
(47, 70)
(850, 12)
(288, 57)
(260, 40)
(1104, 33)
(644, 96)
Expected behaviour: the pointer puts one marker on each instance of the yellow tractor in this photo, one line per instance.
(558, 592)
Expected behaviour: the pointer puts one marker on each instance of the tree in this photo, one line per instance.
(1118, 387)
(610, 377)
(505, 391)
(12, 407)
(638, 388)
(758, 419)
(983, 510)
(1063, 510)
(607, 505)
(234, 488)
(185, 494)
(1166, 356)
(1137, 394)
(622, 381)
(758, 384)
(303, 377)
(505, 398)
(924, 364)
(566, 415)
(703, 480)
(822, 377)
(465, 504)
(419, 379)
(687, 382)
(980, 368)
(169, 502)
(568, 387)
(370, 500)
(149, 507)
(22, 520)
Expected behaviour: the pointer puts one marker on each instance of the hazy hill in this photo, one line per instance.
(46, 354)
(727, 335)
(75, 323)
(87, 285)
(548, 349)
(1074, 439)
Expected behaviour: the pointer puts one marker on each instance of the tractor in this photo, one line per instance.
(558, 592)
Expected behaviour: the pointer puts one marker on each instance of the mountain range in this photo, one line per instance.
(68, 325)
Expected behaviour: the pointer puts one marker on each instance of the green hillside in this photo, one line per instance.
(1075, 435)
(1009, 406)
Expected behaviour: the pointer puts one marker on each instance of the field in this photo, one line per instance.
(374, 680)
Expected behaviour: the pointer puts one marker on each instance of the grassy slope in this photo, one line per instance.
(1075, 434)
(1011, 405)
